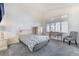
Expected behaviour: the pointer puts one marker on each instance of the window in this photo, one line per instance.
(58, 27)
(48, 28)
(52, 27)
(64, 27)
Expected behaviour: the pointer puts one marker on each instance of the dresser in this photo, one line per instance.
(6, 39)
(3, 42)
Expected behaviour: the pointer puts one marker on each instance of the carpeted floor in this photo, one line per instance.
(54, 48)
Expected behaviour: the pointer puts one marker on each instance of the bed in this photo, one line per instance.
(34, 42)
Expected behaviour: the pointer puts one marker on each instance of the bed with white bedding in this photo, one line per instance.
(34, 42)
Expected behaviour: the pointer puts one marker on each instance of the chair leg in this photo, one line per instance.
(75, 42)
(69, 42)
(63, 39)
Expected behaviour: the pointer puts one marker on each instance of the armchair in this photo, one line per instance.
(72, 37)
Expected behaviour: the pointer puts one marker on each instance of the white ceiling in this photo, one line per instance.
(37, 10)
(48, 6)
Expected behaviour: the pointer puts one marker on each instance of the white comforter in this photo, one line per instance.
(33, 40)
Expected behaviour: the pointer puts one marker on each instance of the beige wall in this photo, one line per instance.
(21, 16)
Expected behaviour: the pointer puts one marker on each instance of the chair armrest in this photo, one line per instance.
(68, 36)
